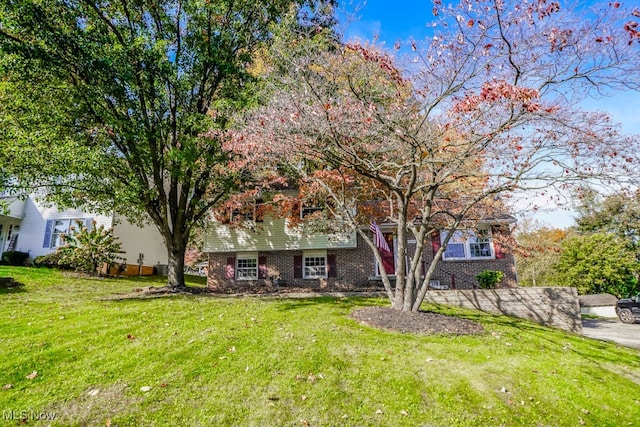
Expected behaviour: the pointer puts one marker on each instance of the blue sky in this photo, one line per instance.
(403, 20)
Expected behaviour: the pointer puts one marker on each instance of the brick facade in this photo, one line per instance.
(354, 270)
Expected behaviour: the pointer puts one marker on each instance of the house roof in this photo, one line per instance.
(597, 300)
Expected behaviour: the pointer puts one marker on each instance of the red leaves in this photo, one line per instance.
(631, 27)
(384, 61)
(559, 39)
(131, 337)
(543, 11)
(500, 90)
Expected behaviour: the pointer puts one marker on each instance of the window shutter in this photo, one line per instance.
(262, 267)
(331, 264)
(435, 242)
(47, 234)
(497, 248)
(230, 269)
(297, 266)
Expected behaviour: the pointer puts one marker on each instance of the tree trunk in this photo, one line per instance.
(175, 274)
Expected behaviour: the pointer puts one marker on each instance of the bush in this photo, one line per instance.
(16, 258)
(52, 260)
(89, 249)
(489, 279)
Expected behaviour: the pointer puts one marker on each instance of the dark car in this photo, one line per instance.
(628, 309)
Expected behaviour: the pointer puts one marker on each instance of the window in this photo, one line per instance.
(247, 266)
(56, 228)
(314, 265)
(468, 244)
(309, 210)
(253, 212)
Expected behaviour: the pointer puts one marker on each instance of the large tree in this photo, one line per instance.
(136, 100)
(598, 263)
(616, 213)
(537, 252)
(487, 107)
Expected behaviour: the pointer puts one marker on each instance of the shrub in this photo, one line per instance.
(89, 249)
(52, 260)
(488, 279)
(16, 258)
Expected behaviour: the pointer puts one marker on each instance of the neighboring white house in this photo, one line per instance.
(32, 227)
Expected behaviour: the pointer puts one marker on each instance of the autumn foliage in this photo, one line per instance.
(484, 109)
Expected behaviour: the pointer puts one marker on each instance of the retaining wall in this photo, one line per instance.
(557, 307)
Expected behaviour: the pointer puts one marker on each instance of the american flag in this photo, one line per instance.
(378, 237)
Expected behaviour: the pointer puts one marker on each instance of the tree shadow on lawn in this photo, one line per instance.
(12, 290)
(351, 302)
(595, 351)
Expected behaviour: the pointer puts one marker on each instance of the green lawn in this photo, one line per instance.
(275, 362)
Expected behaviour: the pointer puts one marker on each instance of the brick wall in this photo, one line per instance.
(557, 307)
(354, 268)
(462, 274)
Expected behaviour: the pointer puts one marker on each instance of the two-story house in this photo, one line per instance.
(272, 252)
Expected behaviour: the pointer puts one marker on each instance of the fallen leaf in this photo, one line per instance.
(303, 397)
(7, 386)
(93, 392)
(405, 413)
(131, 337)
(163, 385)
(379, 412)
(145, 388)
(32, 375)
(232, 349)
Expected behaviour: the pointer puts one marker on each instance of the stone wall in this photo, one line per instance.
(557, 307)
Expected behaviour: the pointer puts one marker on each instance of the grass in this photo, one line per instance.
(277, 362)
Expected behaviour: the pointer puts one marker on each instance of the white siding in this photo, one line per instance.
(32, 228)
(136, 240)
(271, 235)
(14, 205)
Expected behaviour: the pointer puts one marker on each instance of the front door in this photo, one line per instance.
(388, 258)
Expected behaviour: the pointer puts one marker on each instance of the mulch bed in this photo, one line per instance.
(422, 322)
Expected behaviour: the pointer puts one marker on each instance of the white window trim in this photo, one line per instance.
(247, 256)
(470, 234)
(314, 254)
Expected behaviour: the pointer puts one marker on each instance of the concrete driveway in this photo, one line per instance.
(612, 330)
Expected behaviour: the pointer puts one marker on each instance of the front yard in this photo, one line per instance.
(71, 351)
